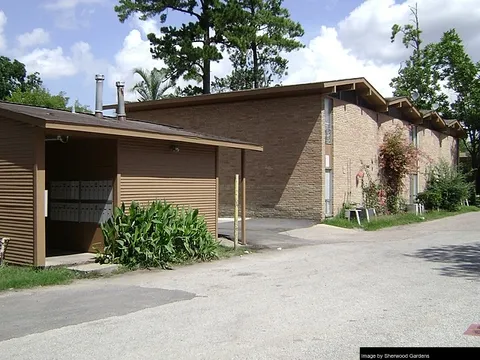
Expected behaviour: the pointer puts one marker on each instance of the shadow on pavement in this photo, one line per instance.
(458, 260)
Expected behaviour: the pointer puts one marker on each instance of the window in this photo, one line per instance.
(328, 192)
(328, 111)
(414, 135)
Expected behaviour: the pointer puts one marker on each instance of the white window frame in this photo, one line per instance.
(328, 115)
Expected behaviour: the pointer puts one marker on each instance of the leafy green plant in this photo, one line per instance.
(373, 193)
(155, 236)
(446, 188)
(397, 158)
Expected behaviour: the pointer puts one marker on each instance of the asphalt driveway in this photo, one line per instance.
(269, 233)
(408, 286)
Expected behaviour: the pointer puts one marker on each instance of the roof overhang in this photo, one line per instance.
(108, 131)
(360, 85)
(88, 129)
(456, 127)
(435, 119)
(407, 108)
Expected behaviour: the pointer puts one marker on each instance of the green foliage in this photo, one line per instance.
(373, 193)
(39, 97)
(259, 31)
(155, 236)
(188, 49)
(446, 188)
(463, 79)
(397, 157)
(79, 108)
(12, 75)
(20, 277)
(42, 97)
(13, 78)
(418, 72)
(387, 221)
(153, 84)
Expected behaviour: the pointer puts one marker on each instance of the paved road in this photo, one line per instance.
(414, 286)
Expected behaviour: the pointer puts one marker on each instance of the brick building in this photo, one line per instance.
(317, 137)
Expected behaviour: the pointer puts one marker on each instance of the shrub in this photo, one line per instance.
(446, 188)
(397, 158)
(156, 235)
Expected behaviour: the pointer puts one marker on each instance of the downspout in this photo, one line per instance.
(121, 115)
(99, 96)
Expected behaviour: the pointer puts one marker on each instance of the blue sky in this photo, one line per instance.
(68, 41)
(96, 23)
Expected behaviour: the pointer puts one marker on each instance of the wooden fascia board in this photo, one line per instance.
(147, 135)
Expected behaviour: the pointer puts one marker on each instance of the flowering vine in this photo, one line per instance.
(397, 158)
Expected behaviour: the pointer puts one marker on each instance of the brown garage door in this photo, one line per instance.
(16, 190)
(152, 170)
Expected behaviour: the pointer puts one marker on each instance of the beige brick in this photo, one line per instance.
(287, 179)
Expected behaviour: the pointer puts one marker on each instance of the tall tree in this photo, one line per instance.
(259, 31)
(418, 73)
(153, 84)
(189, 49)
(12, 76)
(462, 76)
(39, 97)
(34, 93)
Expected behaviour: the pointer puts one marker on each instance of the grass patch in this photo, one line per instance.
(225, 252)
(21, 277)
(386, 221)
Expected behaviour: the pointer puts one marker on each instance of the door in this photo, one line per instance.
(328, 193)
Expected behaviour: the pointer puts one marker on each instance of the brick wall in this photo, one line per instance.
(355, 139)
(359, 132)
(286, 179)
(435, 146)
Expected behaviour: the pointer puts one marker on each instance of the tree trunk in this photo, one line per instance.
(255, 65)
(476, 172)
(206, 64)
(254, 51)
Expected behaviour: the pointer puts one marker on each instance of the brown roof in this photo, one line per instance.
(88, 123)
(406, 107)
(360, 85)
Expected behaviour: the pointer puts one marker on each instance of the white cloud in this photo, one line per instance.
(35, 37)
(50, 63)
(54, 63)
(360, 44)
(3, 22)
(67, 12)
(367, 29)
(325, 58)
(135, 53)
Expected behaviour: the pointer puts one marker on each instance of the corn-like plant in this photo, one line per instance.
(155, 236)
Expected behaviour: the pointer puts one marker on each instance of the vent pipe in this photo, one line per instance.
(121, 115)
(99, 96)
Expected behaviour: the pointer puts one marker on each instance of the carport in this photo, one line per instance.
(62, 174)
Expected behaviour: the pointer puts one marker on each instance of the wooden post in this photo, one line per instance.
(3, 248)
(217, 183)
(244, 201)
(235, 214)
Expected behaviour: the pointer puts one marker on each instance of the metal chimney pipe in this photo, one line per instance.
(99, 96)
(121, 115)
